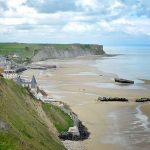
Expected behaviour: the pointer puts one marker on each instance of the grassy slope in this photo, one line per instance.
(61, 120)
(11, 48)
(26, 129)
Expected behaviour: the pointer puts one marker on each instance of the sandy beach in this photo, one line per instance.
(113, 126)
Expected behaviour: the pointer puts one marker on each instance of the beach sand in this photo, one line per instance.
(78, 83)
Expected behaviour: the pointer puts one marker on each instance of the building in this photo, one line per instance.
(22, 82)
(5, 63)
(33, 83)
(10, 74)
(3, 60)
(16, 57)
(43, 96)
(35, 90)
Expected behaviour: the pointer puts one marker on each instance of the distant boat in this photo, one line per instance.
(120, 80)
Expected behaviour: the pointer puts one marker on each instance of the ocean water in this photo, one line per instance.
(128, 128)
(131, 63)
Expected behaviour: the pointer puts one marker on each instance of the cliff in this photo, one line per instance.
(67, 51)
(24, 124)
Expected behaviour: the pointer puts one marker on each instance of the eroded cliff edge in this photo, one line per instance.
(67, 51)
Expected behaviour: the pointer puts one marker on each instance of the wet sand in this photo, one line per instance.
(145, 81)
(79, 83)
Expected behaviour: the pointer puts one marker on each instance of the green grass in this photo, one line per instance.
(24, 50)
(26, 129)
(61, 120)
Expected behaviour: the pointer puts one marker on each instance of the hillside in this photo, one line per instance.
(24, 50)
(24, 124)
(48, 51)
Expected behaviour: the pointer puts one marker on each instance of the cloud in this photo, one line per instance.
(92, 19)
(3, 5)
(77, 27)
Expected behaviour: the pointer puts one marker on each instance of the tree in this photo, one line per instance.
(27, 48)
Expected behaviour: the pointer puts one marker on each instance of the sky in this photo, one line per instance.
(107, 22)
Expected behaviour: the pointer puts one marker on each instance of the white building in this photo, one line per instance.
(10, 74)
(16, 57)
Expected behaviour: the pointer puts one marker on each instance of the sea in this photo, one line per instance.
(130, 62)
(128, 127)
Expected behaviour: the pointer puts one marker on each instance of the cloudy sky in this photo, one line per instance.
(108, 22)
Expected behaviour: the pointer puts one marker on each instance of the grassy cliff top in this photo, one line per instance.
(28, 124)
(27, 50)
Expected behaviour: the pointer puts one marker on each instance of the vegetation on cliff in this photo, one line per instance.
(45, 51)
(24, 124)
(67, 51)
(61, 120)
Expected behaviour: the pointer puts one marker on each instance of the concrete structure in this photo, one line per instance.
(74, 131)
(43, 96)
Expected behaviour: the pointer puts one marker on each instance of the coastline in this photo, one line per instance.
(74, 82)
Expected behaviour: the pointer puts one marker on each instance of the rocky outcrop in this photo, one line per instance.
(67, 51)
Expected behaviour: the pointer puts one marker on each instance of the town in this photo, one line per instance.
(11, 70)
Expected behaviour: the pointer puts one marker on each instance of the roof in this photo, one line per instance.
(42, 92)
(33, 82)
(16, 55)
(20, 81)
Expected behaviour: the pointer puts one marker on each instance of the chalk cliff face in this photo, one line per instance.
(68, 51)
